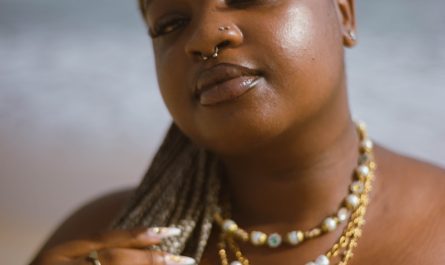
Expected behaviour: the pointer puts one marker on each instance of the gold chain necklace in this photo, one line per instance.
(353, 211)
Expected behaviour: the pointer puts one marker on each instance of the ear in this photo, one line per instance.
(346, 14)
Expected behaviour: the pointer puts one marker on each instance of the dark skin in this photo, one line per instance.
(291, 136)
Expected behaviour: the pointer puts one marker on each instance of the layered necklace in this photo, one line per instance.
(351, 211)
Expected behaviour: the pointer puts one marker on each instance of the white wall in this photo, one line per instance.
(80, 113)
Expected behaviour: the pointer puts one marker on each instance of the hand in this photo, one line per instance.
(121, 247)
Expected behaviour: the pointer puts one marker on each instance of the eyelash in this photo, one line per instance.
(168, 26)
(243, 3)
(171, 25)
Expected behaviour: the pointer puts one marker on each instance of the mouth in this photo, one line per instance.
(224, 82)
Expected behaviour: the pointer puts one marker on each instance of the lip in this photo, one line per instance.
(224, 82)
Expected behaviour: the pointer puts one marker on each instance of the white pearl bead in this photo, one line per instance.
(258, 238)
(230, 226)
(236, 263)
(367, 144)
(343, 214)
(329, 224)
(322, 260)
(363, 171)
(352, 201)
(295, 237)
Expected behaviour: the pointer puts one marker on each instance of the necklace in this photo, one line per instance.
(352, 211)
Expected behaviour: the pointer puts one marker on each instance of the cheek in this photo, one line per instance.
(174, 85)
(306, 63)
(299, 51)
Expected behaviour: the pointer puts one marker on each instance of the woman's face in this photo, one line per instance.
(279, 64)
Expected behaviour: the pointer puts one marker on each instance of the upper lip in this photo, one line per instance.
(221, 73)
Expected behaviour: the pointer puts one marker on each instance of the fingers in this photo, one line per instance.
(135, 238)
(117, 256)
(178, 260)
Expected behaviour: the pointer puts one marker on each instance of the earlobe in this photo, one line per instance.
(350, 39)
(347, 21)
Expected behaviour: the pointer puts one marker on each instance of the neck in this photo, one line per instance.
(294, 182)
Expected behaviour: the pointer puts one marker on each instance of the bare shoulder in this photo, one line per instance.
(93, 217)
(420, 180)
(407, 212)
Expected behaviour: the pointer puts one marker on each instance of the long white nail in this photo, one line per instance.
(178, 260)
(163, 232)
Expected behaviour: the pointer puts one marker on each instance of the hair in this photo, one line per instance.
(180, 189)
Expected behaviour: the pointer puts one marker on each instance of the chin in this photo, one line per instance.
(236, 142)
(243, 125)
(238, 133)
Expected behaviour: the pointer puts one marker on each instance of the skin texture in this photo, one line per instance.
(290, 138)
(291, 93)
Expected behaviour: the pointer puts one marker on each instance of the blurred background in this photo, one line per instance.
(80, 112)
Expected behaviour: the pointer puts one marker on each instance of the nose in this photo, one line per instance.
(211, 33)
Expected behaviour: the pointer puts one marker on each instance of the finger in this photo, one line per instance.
(118, 256)
(134, 238)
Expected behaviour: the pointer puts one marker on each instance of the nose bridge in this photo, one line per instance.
(211, 28)
(205, 31)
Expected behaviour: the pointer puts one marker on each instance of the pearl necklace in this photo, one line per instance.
(351, 211)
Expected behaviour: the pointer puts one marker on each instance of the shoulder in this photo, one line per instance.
(94, 217)
(407, 211)
(413, 179)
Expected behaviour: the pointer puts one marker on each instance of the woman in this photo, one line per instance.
(260, 166)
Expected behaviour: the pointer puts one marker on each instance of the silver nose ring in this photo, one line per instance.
(214, 55)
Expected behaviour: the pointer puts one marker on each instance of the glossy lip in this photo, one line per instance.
(222, 73)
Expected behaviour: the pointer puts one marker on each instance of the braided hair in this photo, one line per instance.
(180, 189)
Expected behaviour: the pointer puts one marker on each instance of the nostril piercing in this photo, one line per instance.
(224, 28)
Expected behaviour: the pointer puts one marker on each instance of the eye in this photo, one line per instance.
(242, 3)
(168, 25)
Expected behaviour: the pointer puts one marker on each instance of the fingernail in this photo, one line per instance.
(178, 260)
(163, 232)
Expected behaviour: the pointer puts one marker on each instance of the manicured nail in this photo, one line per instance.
(163, 232)
(178, 260)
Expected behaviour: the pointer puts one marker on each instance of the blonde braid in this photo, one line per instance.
(180, 189)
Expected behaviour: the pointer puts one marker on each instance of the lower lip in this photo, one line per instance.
(227, 90)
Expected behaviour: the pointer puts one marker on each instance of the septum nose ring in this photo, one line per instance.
(214, 54)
